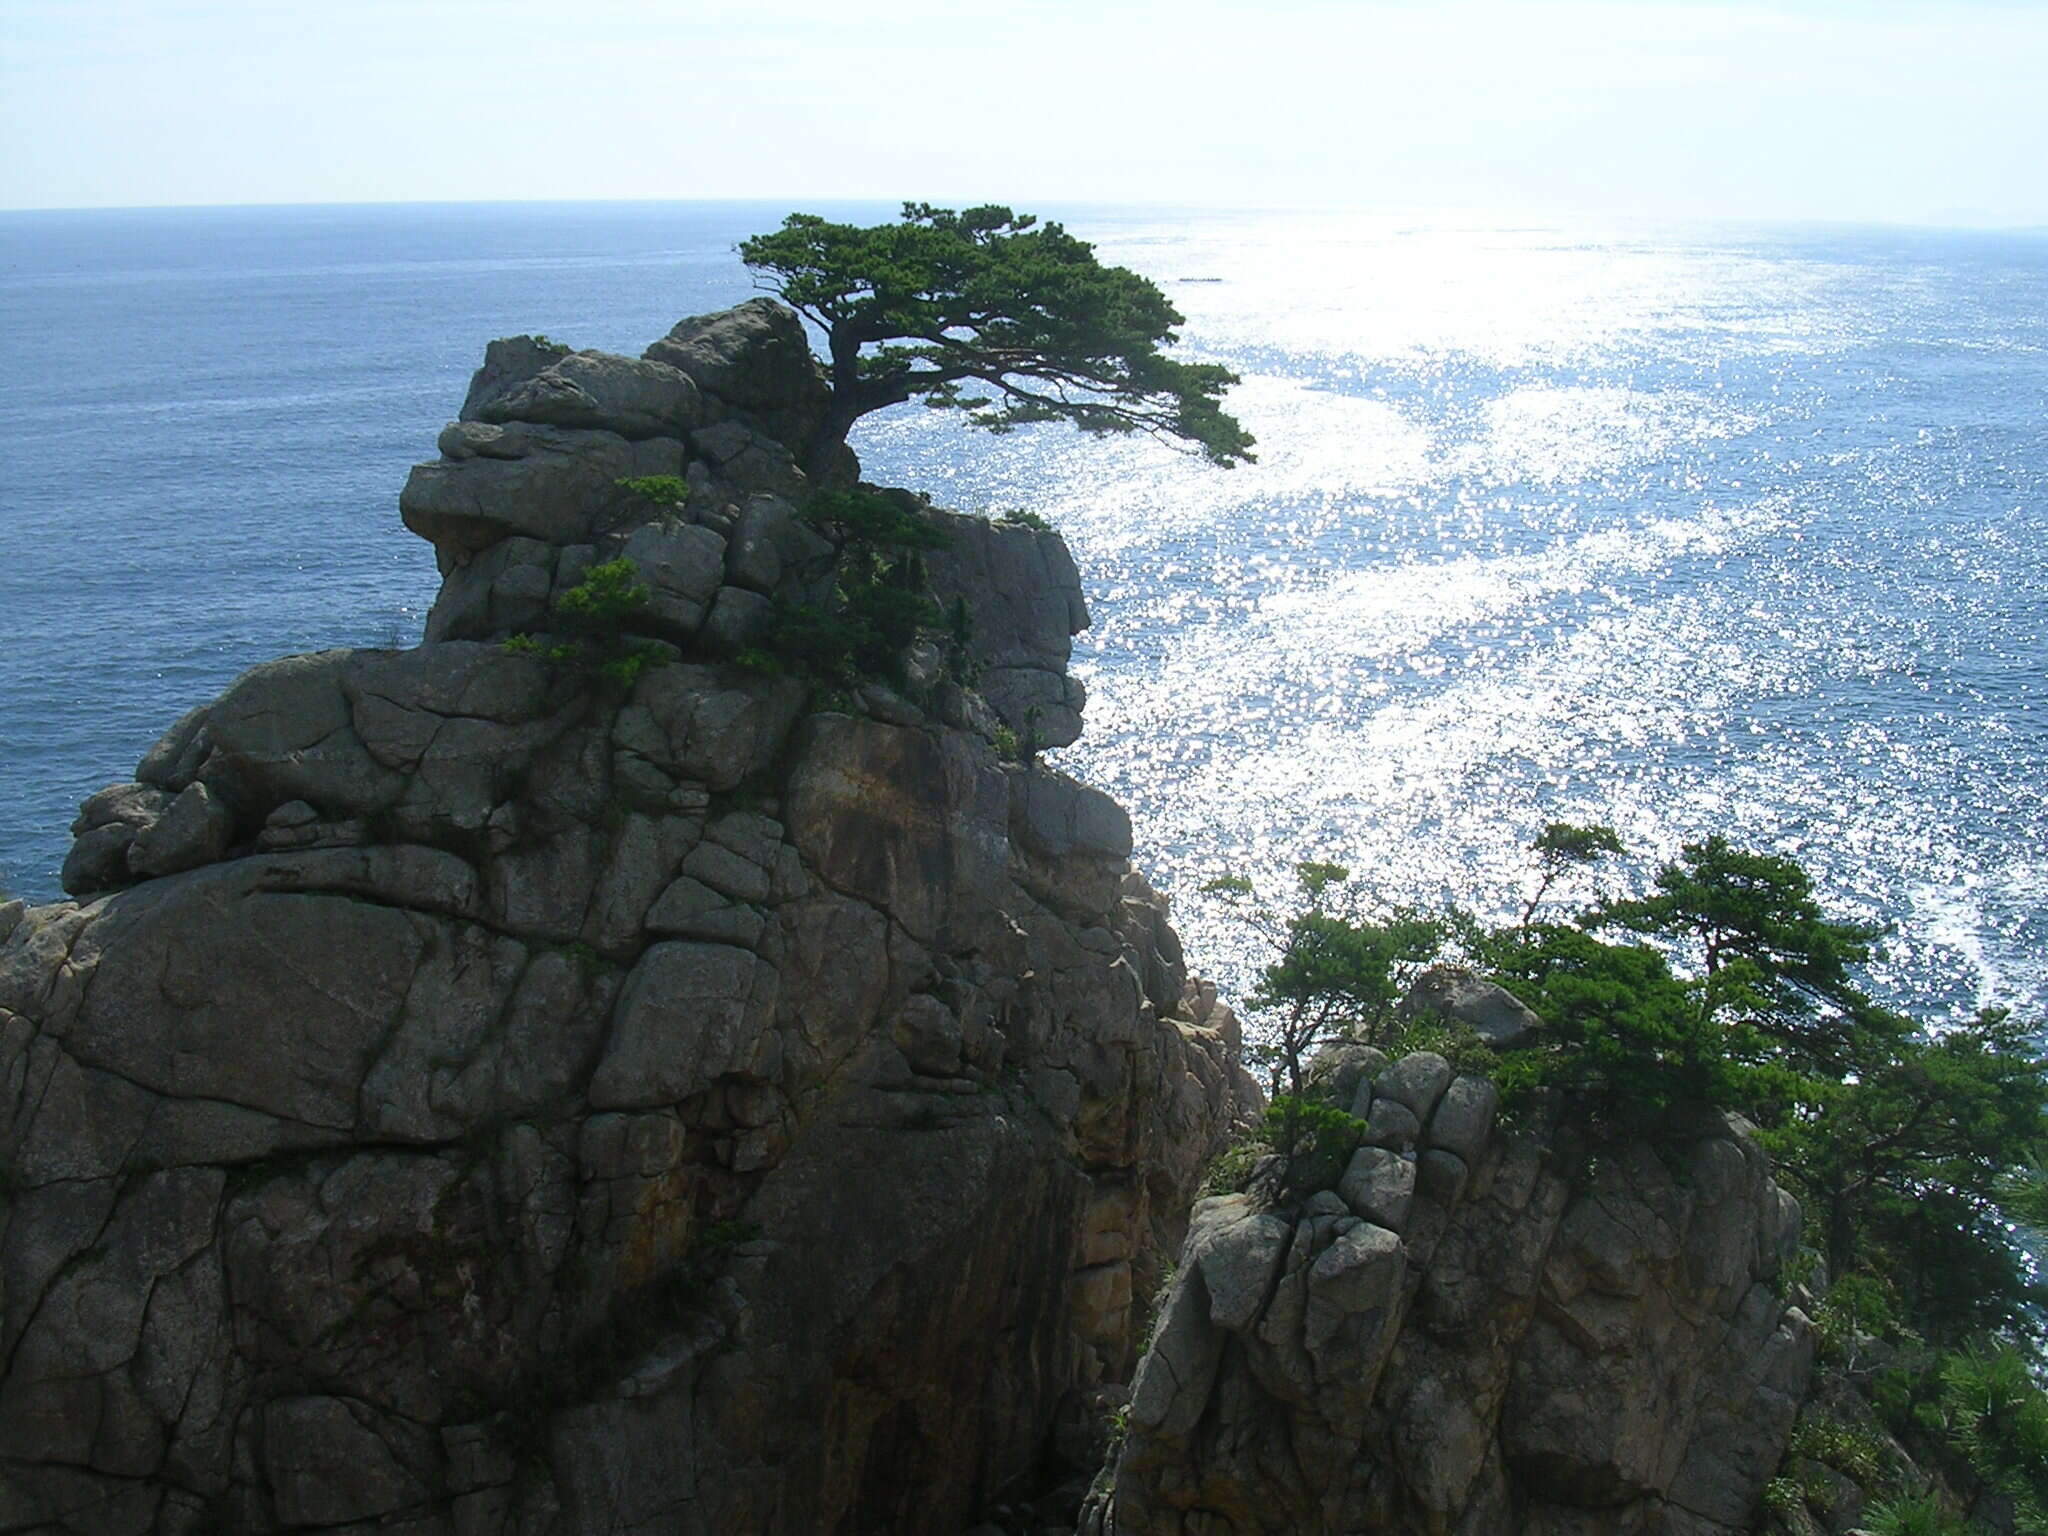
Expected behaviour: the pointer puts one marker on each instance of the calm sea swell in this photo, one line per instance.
(1682, 531)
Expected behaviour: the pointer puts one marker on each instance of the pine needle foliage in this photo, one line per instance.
(996, 315)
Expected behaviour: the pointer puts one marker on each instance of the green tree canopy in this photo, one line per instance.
(940, 304)
(1913, 1147)
(1765, 953)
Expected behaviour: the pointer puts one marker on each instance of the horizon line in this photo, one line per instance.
(1960, 222)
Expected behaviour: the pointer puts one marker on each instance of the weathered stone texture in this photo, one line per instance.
(1510, 1332)
(479, 1097)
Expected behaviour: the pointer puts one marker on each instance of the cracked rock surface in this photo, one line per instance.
(1478, 1332)
(468, 1096)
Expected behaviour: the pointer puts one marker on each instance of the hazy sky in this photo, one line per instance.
(1889, 110)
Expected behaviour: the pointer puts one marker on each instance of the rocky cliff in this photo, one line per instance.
(1477, 1331)
(579, 1077)
(477, 1090)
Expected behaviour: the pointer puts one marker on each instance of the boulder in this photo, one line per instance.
(554, 484)
(1342, 1074)
(1499, 1018)
(508, 362)
(1023, 598)
(1379, 1186)
(105, 832)
(1464, 1117)
(1417, 1080)
(681, 565)
(194, 829)
(503, 590)
(689, 1014)
(753, 360)
(601, 392)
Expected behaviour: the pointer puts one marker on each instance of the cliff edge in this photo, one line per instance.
(525, 1084)
(1479, 1330)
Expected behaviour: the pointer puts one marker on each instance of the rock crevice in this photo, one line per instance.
(472, 1094)
(1476, 1331)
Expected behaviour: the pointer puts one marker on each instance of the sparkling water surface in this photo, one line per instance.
(1682, 530)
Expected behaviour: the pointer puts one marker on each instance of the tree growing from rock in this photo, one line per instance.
(1334, 977)
(1913, 1147)
(942, 304)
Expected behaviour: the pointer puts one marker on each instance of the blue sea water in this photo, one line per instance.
(1684, 530)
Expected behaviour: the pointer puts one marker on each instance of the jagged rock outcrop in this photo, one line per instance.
(1476, 1332)
(474, 1095)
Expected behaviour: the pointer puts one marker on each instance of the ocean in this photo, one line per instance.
(1684, 530)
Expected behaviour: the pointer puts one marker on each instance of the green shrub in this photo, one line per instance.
(1997, 1413)
(528, 645)
(1022, 517)
(599, 608)
(1230, 1172)
(1459, 1044)
(669, 491)
(1921, 1515)
(875, 520)
(606, 599)
(1850, 1449)
(1783, 1496)
(1856, 1305)
(1315, 1138)
(625, 666)
(881, 600)
(1335, 976)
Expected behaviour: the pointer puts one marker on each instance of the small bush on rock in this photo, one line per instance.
(606, 598)
(666, 491)
(599, 607)
(528, 645)
(1316, 1139)
(881, 602)
(1230, 1173)
(1458, 1044)
(1921, 1515)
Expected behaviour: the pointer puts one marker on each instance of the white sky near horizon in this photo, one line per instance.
(1888, 111)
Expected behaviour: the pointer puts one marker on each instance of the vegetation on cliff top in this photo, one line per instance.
(1917, 1150)
(941, 302)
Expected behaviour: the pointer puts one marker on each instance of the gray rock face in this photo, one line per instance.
(754, 356)
(1498, 1345)
(1024, 599)
(508, 363)
(1464, 1117)
(752, 361)
(598, 391)
(482, 1096)
(1342, 1074)
(682, 567)
(1417, 1081)
(554, 484)
(106, 829)
(194, 829)
(1379, 1187)
(1500, 1019)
